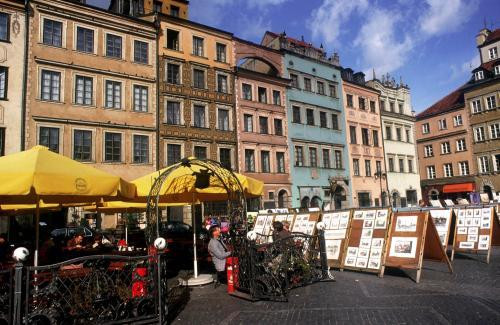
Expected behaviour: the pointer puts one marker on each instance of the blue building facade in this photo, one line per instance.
(316, 125)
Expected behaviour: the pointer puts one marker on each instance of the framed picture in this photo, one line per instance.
(486, 213)
(358, 215)
(335, 234)
(473, 231)
(352, 251)
(369, 214)
(376, 253)
(374, 263)
(377, 242)
(406, 223)
(333, 249)
(382, 213)
(469, 213)
(350, 261)
(405, 247)
(344, 222)
(361, 262)
(483, 246)
(334, 223)
(484, 238)
(461, 213)
(442, 237)
(477, 213)
(327, 218)
(367, 233)
(441, 220)
(468, 222)
(485, 222)
(466, 245)
(365, 243)
(363, 252)
(472, 238)
(261, 220)
(368, 224)
(462, 231)
(461, 222)
(476, 222)
(380, 223)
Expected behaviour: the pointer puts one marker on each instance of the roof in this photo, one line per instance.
(493, 36)
(296, 41)
(450, 102)
(488, 65)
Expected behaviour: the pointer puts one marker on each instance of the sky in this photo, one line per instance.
(430, 44)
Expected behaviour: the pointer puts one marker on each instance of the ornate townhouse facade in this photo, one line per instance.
(316, 124)
(261, 120)
(398, 128)
(92, 86)
(366, 151)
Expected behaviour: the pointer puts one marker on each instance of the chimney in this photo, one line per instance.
(336, 59)
(481, 37)
(359, 78)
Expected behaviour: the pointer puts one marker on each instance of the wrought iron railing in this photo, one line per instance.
(6, 295)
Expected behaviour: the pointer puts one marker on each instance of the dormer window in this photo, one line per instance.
(497, 70)
(479, 75)
(492, 53)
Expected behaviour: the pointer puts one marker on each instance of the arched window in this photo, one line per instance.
(396, 202)
(433, 194)
(282, 199)
(339, 196)
(315, 202)
(305, 202)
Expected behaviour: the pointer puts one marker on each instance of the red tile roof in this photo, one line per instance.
(489, 65)
(451, 101)
(493, 36)
(296, 41)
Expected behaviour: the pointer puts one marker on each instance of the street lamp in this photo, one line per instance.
(380, 175)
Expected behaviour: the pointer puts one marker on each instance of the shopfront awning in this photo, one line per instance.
(458, 188)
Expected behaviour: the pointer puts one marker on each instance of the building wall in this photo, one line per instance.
(166, 6)
(370, 120)
(12, 58)
(64, 114)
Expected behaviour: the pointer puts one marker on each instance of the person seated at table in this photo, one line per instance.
(100, 241)
(75, 243)
(4, 249)
(279, 232)
(47, 253)
(219, 253)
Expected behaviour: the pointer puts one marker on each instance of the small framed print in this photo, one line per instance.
(376, 253)
(363, 252)
(483, 246)
(361, 262)
(462, 231)
(461, 222)
(327, 218)
(380, 223)
(352, 251)
(473, 231)
(374, 263)
(472, 238)
(461, 213)
(486, 213)
(370, 214)
(477, 213)
(368, 224)
(466, 245)
(476, 222)
(365, 243)
(350, 261)
(382, 213)
(468, 222)
(367, 233)
(406, 223)
(334, 223)
(485, 222)
(358, 215)
(484, 238)
(469, 213)
(377, 242)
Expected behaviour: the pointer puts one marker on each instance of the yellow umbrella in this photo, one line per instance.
(123, 207)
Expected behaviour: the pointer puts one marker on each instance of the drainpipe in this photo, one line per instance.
(158, 29)
(25, 73)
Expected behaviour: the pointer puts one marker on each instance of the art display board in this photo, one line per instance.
(476, 230)
(366, 240)
(305, 222)
(412, 238)
(336, 230)
(442, 222)
(263, 225)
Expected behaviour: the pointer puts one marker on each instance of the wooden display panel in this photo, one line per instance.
(477, 229)
(336, 230)
(305, 222)
(412, 238)
(366, 240)
(442, 221)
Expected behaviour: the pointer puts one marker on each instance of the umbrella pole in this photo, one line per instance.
(194, 240)
(37, 231)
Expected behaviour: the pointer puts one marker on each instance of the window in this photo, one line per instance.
(4, 77)
(492, 53)
(321, 87)
(476, 106)
(173, 73)
(278, 127)
(484, 164)
(49, 137)
(113, 94)
(157, 6)
(365, 137)
(225, 157)
(425, 128)
(141, 52)
(333, 91)
(322, 120)
(173, 113)
(199, 78)
(335, 122)
(199, 116)
(496, 163)
(497, 70)
(368, 168)
(223, 119)
(364, 199)
(401, 165)
(2, 142)
(296, 114)
(4, 27)
(307, 84)
(276, 97)
(313, 157)
(479, 134)
(280, 162)
(442, 124)
(248, 122)
(52, 32)
(428, 151)
(391, 106)
(372, 106)
(198, 46)
(382, 105)
(391, 164)
(431, 172)
(247, 91)
(355, 167)
(140, 98)
(295, 80)
(51, 85)
(461, 145)
(479, 75)
(222, 83)
(113, 46)
(326, 158)
(249, 160)
(378, 167)
(400, 107)
(172, 40)
(445, 148)
(299, 156)
(141, 149)
(457, 120)
(375, 138)
(448, 170)
(83, 90)
(338, 159)
(173, 153)
(265, 166)
(349, 100)
(495, 131)
(399, 137)
(361, 103)
(352, 133)
(491, 102)
(174, 11)
(310, 116)
(263, 125)
(262, 92)
(112, 147)
(200, 152)
(221, 52)
(408, 136)
(84, 39)
(388, 133)
(463, 167)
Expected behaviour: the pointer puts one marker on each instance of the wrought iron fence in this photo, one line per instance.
(6, 296)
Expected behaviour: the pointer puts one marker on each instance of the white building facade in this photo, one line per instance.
(398, 130)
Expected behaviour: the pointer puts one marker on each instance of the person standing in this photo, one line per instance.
(219, 253)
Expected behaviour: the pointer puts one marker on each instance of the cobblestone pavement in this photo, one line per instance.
(471, 295)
